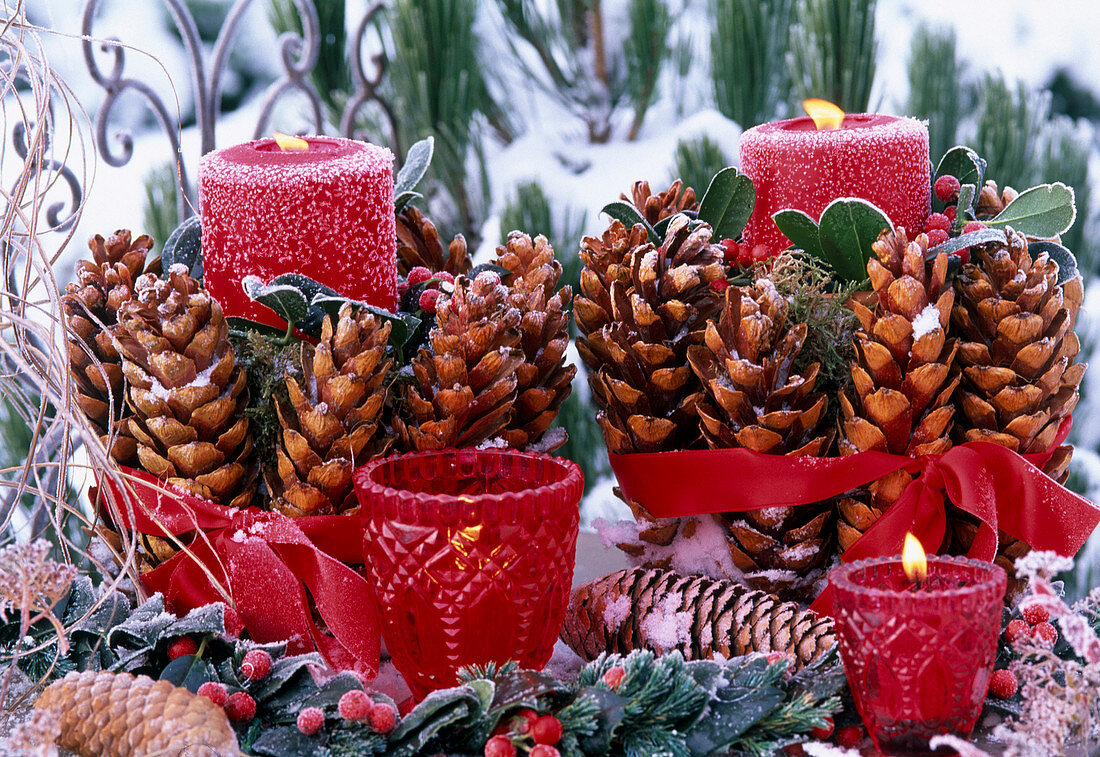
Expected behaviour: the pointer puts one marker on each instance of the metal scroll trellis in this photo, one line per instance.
(298, 55)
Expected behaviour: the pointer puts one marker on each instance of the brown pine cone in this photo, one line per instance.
(657, 207)
(418, 244)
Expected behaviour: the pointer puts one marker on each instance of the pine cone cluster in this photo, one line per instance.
(656, 207)
(418, 244)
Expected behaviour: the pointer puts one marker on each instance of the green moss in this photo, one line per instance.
(268, 364)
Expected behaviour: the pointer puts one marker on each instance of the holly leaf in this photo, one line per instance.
(416, 163)
(1067, 262)
(1043, 211)
(239, 327)
(188, 671)
(728, 202)
(848, 228)
(311, 323)
(144, 626)
(283, 671)
(288, 302)
(522, 688)
(629, 216)
(802, 230)
(184, 247)
(962, 163)
(208, 619)
(981, 236)
(286, 741)
(434, 713)
(965, 204)
(610, 711)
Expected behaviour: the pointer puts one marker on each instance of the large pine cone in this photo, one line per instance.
(756, 401)
(186, 391)
(331, 423)
(904, 375)
(544, 380)
(418, 244)
(656, 207)
(464, 385)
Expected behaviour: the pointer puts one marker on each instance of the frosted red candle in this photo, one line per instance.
(325, 212)
(882, 159)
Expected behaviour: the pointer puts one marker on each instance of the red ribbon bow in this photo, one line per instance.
(1005, 491)
(267, 561)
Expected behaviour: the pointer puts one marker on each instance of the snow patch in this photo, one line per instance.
(927, 321)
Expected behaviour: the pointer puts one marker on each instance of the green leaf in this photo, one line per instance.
(965, 203)
(434, 713)
(184, 247)
(849, 226)
(188, 671)
(207, 619)
(1067, 262)
(416, 163)
(981, 236)
(241, 326)
(629, 216)
(1043, 211)
(801, 230)
(610, 711)
(283, 670)
(403, 199)
(311, 323)
(728, 203)
(962, 163)
(288, 302)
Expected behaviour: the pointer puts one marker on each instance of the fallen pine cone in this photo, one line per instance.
(661, 610)
(119, 715)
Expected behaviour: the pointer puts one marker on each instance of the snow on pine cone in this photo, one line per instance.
(119, 715)
(462, 390)
(904, 375)
(544, 379)
(661, 610)
(1017, 351)
(418, 244)
(187, 392)
(756, 401)
(331, 423)
(91, 304)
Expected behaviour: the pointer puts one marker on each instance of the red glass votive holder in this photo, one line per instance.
(470, 554)
(918, 659)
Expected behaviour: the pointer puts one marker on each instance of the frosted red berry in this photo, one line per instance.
(947, 188)
(951, 212)
(760, 253)
(963, 255)
(849, 736)
(499, 746)
(215, 692)
(1036, 614)
(733, 251)
(544, 750)
(256, 665)
(744, 257)
(428, 299)
(240, 707)
(614, 677)
(1044, 635)
(233, 623)
(937, 221)
(719, 285)
(310, 720)
(936, 237)
(444, 276)
(523, 720)
(546, 730)
(824, 731)
(1003, 684)
(354, 705)
(382, 718)
(973, 226)
(184, 645)
(1016, 629)
(418, 275)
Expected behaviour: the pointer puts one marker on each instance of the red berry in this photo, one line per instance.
(963, 255)
(823, 732)
(354, 705)
(973, 226)
(719, 285)
(614, 677)
(936, 237)
(744, 257)
(215, 692)
(523, 720)
(1016, 629)
(240, 707)
(310, 720)
(951, 212)
(947, 188)
(937, 221)
(1044, 635)
(1036, 614)
(499, 746)
(733, 251)
(233, 623)
(850, 736)
(418, 275)
(794, 750)
(546, 730)
(1003, 684)
(544, 750)
(184, 645)
(428, 300)
(256, 665)
(382, 718)
(760, 253)
(444, 276)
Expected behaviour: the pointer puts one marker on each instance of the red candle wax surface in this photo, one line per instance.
(882, 159)
(325, 212)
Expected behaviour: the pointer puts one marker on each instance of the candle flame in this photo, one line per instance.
(287, 143)
(826, 116)
(913, 559)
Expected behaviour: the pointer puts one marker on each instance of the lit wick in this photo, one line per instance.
(826, 116)
(914, 560)
(288, 143)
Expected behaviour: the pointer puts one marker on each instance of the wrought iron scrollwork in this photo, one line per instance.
(46, 166)
(368, 87)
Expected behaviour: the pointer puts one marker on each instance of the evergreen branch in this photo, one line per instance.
(832, 51)
(748, 37)
(1010, 120)
(646, 51)
(936, 88)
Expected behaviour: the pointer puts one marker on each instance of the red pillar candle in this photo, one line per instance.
(882, 159)
(325, 211)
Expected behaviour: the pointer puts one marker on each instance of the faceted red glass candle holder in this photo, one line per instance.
(470, 554)
(918, 660)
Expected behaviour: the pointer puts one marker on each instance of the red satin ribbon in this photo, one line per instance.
(1005, 491)
(267, 561)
